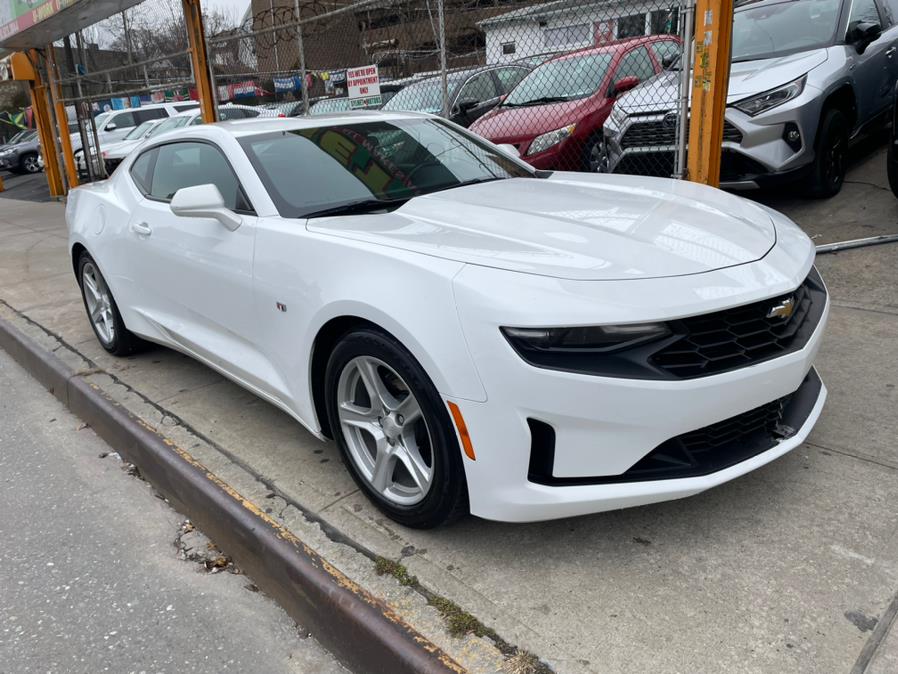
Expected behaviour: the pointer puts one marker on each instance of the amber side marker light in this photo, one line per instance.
(462, 431)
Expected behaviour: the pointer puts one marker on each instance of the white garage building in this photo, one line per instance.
(565, 25)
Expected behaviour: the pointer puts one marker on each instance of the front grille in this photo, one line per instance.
(699, 452)
(659, 134)
(734, 338)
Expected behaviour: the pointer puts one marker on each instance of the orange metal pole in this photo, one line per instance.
(711, 78)
(193, 17)
(41, 107)
(62, 119)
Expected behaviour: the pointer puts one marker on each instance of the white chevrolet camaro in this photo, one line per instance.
(477, 336)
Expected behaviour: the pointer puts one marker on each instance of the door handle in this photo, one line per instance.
(141, 228)
(891, 52)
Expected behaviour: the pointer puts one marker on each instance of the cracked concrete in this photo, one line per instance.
(757, 575)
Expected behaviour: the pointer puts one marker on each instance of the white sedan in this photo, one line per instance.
(477, 336)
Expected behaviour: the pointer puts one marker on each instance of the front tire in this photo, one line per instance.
(29, 163)
(594, 155)
(829, 168)
(394, 431)
(102, 311)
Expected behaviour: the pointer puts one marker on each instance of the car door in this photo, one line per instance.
(118, 126)
(196, 273)
(476, 97)
(872, 69)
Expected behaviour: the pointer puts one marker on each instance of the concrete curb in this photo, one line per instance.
(360, 629)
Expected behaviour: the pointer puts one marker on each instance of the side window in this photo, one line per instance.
(143, 115)
(196, 121)
(667, 48)
(123, 120)
(480, 88)
(185, 108)
(891, 8)
(187, 164)
(142, 170)
(251, 113)
(864, 10)
(635, 63)
(509, 78)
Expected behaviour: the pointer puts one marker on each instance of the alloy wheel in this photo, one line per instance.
(385, 431)
(99, 303)
(31, 164)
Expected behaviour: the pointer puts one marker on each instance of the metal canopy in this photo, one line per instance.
(52, 20)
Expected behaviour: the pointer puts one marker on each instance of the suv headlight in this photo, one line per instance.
(770, 99)
(547, 140)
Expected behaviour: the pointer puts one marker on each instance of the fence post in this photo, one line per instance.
(441, 18)
(302, 60)
(193, 17)
(62, 118)
(687, 17)
(713, 43)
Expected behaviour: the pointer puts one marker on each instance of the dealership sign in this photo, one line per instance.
(363, 87)
(18, 15)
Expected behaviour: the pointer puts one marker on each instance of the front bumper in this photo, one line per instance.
(603, 427)
(755, 152)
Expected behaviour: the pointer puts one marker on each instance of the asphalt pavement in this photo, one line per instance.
(91, 579)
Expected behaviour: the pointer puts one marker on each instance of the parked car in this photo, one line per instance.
(113, 156)
(327, 106)
(472, 92)
(554, 117)
(20, 137)
(563, 343)
(129, 142)
(23, 157)
(114, 125)
(807, 77)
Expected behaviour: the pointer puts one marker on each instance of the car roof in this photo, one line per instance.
(257, 126)
(613, 47)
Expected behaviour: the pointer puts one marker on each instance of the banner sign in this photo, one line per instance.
(293, 83)
(363, 87)
(18, 15)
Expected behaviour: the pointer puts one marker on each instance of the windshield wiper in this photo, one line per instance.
(358, 207)
(464, 183)
(537, 101)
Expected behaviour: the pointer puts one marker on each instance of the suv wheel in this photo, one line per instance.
(828, 174)
(394, 431)
(29, 163)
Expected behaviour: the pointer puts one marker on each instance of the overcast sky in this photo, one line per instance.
(232, 7)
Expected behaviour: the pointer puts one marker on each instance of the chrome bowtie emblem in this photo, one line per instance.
(784, 309)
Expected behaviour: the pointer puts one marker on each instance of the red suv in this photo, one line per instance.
(554, 117)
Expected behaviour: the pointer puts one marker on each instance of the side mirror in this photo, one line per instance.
(622, 85)
(862, 33)
(508, 148)
(669, 61)
(110, 127)
(466, 105)
(204, 201)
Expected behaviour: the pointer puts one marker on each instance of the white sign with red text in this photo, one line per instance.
(363, 87)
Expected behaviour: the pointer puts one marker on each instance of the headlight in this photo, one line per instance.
(770, 99)
(617, 117)
(547, 140)
(594, 338)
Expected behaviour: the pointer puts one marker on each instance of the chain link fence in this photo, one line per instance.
(573, 85)
(122, 75)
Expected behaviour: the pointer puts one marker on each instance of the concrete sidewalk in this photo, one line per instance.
(792, 568)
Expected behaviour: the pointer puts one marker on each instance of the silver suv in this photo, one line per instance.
(807, 77)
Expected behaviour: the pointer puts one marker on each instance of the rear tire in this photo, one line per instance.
(102, 311)
(828, 171)
(397, 442)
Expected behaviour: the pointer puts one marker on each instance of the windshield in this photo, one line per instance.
(140, 131)
(774, 30)
(170, 124)
(308, 171)
(426, 96)
(329, 105)
(19, 137)
(564, 79)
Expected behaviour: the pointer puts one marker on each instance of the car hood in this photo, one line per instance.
(573, 226)
(747, 78)
(506, 124)
(121, 149)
